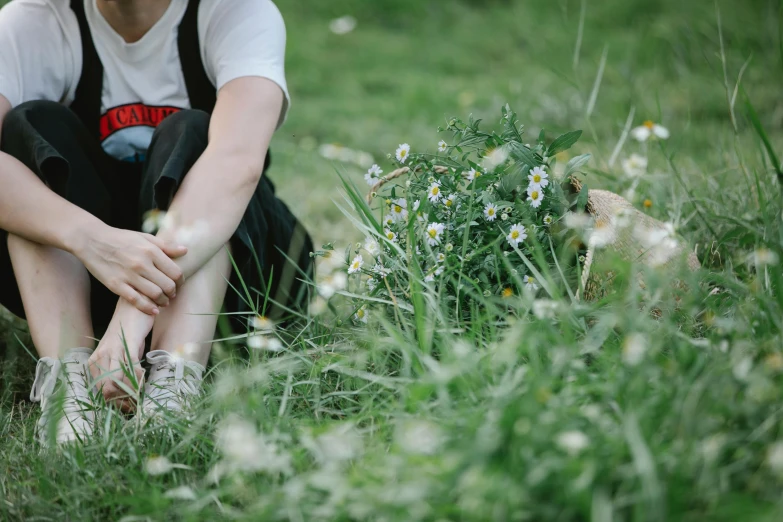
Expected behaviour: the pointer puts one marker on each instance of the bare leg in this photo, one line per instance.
(192, 315)
(55, 290)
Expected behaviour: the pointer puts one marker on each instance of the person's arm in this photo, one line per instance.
(212, 199)
(134, 266)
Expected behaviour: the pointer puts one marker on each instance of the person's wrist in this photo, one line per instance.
(77, 234)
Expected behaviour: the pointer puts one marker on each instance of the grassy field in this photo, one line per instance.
(531, 419)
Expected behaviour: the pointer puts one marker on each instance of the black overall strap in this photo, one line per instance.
(200, 90)
(89, 91)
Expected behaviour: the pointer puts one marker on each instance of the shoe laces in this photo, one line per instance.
(76, 399)
(172, 377)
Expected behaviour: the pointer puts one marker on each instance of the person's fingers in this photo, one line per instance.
(162, 281)
(169, 248)
(150, 290)
(169, 268)
(131, 295)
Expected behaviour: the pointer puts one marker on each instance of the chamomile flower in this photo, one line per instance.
(373, 175)
(490, 212)
(548, 220)
(473, 174)
(380, 270)
(388, 220)
(361, 314)
(434, 232)
(507, 292)
(650, 129)
(442, 146)
(399, 209)
(371, 284)
(530, 283)
(516, 235)
(441, 257)
(416, 205)
(356, 264)
(434, 193)
(635, 165)
(538, 178)
(372, 247)
(535, 197)
(391, 236)
(429, 278)
(450, 201)
(402, 153)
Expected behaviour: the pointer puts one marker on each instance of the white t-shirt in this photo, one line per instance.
(41, 59)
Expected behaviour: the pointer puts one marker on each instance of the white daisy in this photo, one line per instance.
(373, 175)
(548, 220)
(429, 278)
(380, 270)
(473, 174)
(650, 129)
(538, 178)
(535, 196)
(388, 220)
(332, 284)
(442, 146)
(449, 201)
(516, 235)
(356, 264)
(490, 212)
(361, 314)
(434, 231)
(261, 323)
(416, 205)
(264, 342)
(402, 152)
(434, 194)
(372, 247)
(635, 166)
(530, 283)
(371, 284)
(391, 236)
(399, 209)
(441, 257)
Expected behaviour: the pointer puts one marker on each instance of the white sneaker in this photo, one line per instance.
(172, 385)
(69, 404)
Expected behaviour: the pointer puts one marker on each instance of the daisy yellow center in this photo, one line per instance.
(649, 124)
(390, 235)
(647, 203)
(435, 191)
(490, 211)
(534, 195)
(355, 264)
(508, 292)
(536, 178)
(360, 313)
(514, 234)
(403, 152)
(397, 209)
(433, 233)
(449, 202)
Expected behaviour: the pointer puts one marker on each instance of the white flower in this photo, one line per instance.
(573, 442)
(402, 152)
(361, 314)
(634, 348)
(545, 308)
(490, 212)
(388, 220)
(371, 284)
(538, 178)
(342, 25)
(399, 209)
(416, 205)
(530, 283)
(473, 174)
(764, 257)
(181, 493)
(381, 270)
(429, 278)
(577, 220)
(372, 247)
(158, 465)
(261, 323)
(449, 201)
(649, 130)
(604, 233)
(391, 236)
(264, 342)
(433, 194)
(245, 449)
(495, 157)
(635, 165)
(548, 220)
(535, 196)
(442, 146)
(317, 306)
(153, 221)
(441, 257)
(373, 175)
(332, 284)
(434, 231)
(356, 264)
(516, 235)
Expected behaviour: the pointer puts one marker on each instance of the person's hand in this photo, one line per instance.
(117, 370)
(137, 267)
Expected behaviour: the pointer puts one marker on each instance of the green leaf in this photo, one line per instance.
(581, 199)
(576, 162)
(523, 154)
(563, 142)
(542, 136)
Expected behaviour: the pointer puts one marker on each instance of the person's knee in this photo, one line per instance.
(184, 121)
(32, 112)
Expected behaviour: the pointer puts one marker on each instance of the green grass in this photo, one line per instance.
(363, 424)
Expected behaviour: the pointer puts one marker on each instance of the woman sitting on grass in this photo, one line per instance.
(113, 110)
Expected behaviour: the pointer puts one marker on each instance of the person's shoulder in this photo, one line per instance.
(209, 9)
(18, 13)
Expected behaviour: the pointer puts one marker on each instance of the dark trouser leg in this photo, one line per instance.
(269, 244)
(51, 285)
